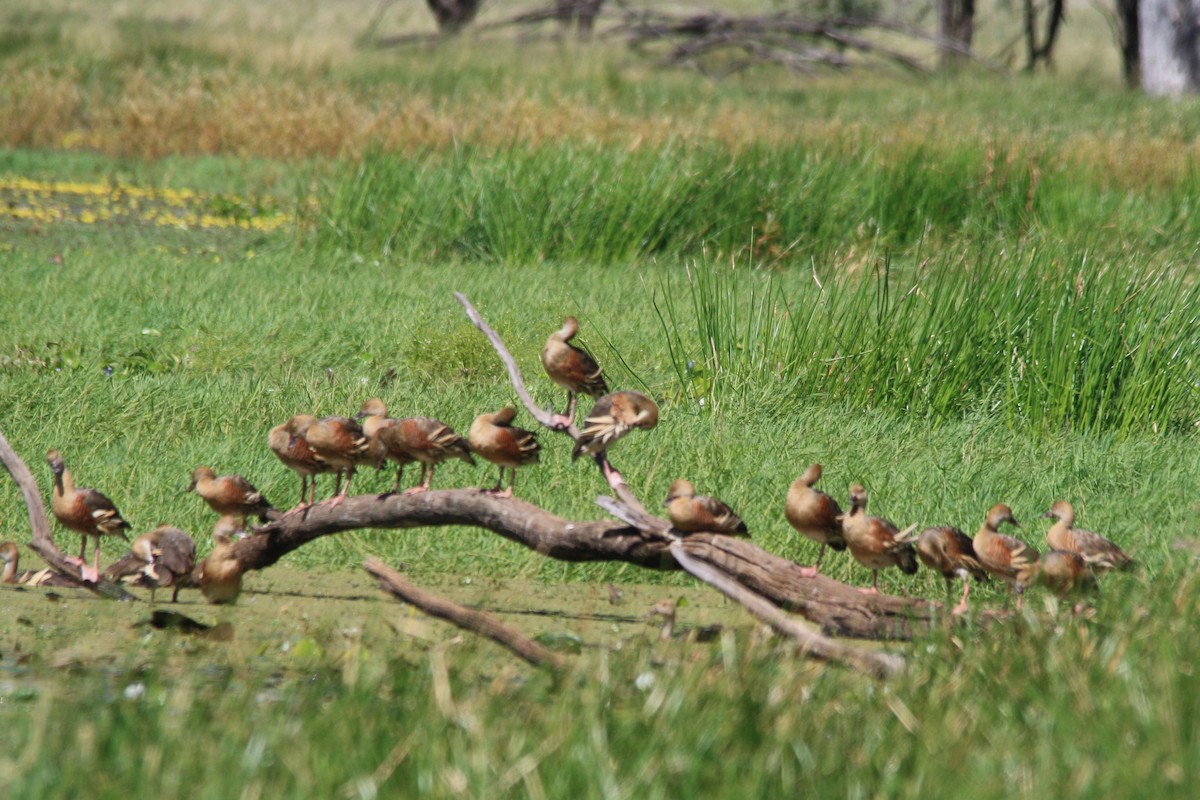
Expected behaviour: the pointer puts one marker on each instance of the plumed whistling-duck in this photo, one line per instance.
(874, 541)
(692, 513)
(814, 514)
(85, 511)
(572, 368)
(494, 438)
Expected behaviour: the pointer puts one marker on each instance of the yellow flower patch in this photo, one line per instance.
(107, 203)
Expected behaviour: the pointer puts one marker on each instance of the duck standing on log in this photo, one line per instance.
(692, 513)
(495, 439)
(85, 511)
(814, 514)
(572, 368)
(875, 542)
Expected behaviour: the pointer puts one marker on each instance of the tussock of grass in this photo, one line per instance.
(1042, 342)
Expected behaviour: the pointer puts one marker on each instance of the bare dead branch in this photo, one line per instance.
(478, 622)
(879, 664)
(42, 543)
(546, 417)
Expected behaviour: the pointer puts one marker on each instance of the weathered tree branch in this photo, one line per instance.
(879, 664)
(475, 621)
(42, 543)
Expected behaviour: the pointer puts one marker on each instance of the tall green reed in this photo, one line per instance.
(566, 202)
(1043, 341)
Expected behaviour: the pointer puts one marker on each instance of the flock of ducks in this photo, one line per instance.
(166, 556)
(1076, 556)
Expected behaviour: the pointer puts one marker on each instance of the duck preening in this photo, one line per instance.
(159, 559)
(1003, 556)
(814, 514)
(572, 368)
(495, 439)
(613, 416)
(692, 513)
(1100, 553)
(875, 542)
(85, 511)
(952, 553)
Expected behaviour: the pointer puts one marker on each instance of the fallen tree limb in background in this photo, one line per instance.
(469, 619)
(42, 543)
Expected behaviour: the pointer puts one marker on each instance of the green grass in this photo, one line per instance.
(567, 203)
(957, 292)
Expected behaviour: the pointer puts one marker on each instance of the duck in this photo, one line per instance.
(951, 552)
(613, 416)
(10, 555)
(229, 494)
(875, 542)
(294, 451)
(814, 514)
(85, 511)
(692, 513)
(1003, 556)
(161, 558)
(572, 368)
(1065, 572)
(377, 427)
(220, 573)
(423, 439)
(1100, 553)
(341, 443)
(494, 438)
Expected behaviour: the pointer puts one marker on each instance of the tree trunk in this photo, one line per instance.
(1128, 33)
(453, 15)
(1170, 46)
(956, 29)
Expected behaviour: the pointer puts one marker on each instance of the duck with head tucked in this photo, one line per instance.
(422, 439)
(951, 552)
(693, 513)
(220, 573)
(229, 494)
(494, 438)
(1065, 573)
(341, 443)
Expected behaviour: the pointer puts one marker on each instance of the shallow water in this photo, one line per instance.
(287, 621)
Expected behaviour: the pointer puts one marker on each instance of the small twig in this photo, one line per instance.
(42, 543)
(468, 619)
